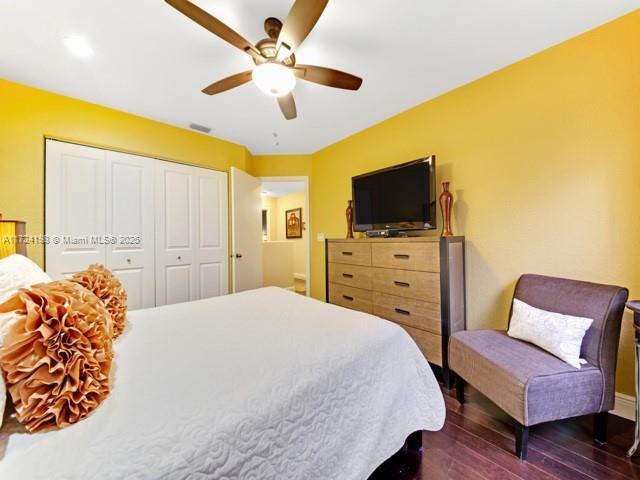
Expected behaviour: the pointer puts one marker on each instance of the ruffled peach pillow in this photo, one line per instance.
(56, 353)
(107, 288)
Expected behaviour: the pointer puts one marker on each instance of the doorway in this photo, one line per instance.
(285, 233)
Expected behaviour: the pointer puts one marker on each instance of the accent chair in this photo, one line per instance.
(533, 386)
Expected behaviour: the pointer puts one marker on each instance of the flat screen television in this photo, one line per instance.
(402, 197)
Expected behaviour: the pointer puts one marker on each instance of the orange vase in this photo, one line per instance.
(349, 214)
(446, 201)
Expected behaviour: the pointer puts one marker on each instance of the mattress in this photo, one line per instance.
(264, 384)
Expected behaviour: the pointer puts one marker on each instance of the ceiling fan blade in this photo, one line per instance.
(299, 22)
(327, 76)
(228, 83)
(288, 106)
(215, 26)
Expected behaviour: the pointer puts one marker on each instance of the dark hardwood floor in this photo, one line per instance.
(477, 443)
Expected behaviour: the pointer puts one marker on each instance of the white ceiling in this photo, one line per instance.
(280, 189)
(152, 61)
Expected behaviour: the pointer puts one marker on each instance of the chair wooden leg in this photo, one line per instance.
(414, 442)
(522, 441)
(600, 421)
(460, 389)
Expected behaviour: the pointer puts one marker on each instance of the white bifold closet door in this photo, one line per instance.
(99, 209)
(129, 213)
(130, 219)
(192, 233)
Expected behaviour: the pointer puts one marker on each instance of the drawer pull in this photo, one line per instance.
(401, 284)
(348, 254)
(402, 256)
(402, 312)
(347, 275)
(347, 297)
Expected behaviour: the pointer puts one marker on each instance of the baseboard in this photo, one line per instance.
(625, 406)
(300, 276)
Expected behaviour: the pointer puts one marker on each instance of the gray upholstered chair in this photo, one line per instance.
(533, 386)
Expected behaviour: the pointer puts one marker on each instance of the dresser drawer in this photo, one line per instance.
(406, 283)
(352, 253)
(423, 257)
(414, 313)
(350, 297)
(429, 343)
(350, 275)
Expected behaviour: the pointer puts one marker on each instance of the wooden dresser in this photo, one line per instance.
(416, 282)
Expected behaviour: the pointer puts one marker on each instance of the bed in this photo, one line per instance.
(264, 384)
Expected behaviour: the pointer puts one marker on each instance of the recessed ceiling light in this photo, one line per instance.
(78, 46)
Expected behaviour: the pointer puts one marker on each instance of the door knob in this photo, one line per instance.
(238, 255)
(179, 257)
(128, 260)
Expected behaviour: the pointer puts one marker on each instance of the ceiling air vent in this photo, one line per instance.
(200, 128)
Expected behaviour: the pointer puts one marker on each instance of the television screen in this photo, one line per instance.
(396, 198)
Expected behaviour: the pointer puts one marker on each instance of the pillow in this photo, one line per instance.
(3, 397)
(106, 286)
(560, 335)
(16, 272)
(56, 354)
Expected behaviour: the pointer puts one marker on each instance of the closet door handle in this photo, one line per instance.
(238, 255)
(401, 284)
(348, 254)
(347, 275)
(401, 256)
(128, 260)
(179, 258)
(402, 312)
(347, 297)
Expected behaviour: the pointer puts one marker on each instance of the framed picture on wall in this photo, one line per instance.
(293, 221)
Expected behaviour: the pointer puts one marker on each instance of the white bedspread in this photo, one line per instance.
(264, 384)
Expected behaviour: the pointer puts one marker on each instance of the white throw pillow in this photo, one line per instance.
(16, 272)
(561, 335)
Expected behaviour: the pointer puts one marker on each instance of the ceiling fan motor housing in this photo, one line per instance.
(267, 46)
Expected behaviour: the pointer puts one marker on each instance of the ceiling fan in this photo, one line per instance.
(276, 69)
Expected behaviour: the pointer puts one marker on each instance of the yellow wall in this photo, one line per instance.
(544, 161)
(281, 165)
(27, 115)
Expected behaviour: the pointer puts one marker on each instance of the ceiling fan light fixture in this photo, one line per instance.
(274, 79)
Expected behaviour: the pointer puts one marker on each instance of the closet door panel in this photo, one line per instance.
(178, 210)
(74, 207)
(213, 233)
(130, 223)
(175, 232)
(212, 283)
(136, 285)
(178, 283)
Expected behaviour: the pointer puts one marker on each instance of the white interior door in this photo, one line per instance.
(246, 212)
(74, 207)
(130, 221)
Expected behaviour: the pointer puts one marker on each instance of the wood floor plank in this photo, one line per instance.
(477, 442)
(592, 459)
